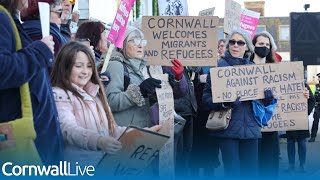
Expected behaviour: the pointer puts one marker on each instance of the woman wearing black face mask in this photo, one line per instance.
(269, 143)
(264, 48)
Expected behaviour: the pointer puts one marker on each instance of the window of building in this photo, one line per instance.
(284, 33)
(220, 33)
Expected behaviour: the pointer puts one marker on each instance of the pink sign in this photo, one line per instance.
(249, 21)
(116, 35)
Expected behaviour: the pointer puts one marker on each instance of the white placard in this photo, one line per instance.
(44, 10)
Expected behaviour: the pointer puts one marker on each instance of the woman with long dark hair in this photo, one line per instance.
(269, 149)
(86, 120)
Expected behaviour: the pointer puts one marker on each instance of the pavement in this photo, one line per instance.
(312, 163)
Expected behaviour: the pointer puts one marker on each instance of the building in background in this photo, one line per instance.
(279, 27)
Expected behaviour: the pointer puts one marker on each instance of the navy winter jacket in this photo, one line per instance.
(33, 29)
(65, 31)
(29, 65)
(242, 124)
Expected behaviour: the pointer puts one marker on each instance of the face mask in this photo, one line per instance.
(262, 51)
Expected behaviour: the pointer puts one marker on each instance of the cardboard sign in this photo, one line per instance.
(192, 39)
(173, 7)
(249, 21)
(286, 80)
(290, 114)
(139, 148)
(207, 12)
(231, 16)
(250, 81)
(118, 28)
(166, 119)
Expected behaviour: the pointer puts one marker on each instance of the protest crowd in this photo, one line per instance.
(87, 86)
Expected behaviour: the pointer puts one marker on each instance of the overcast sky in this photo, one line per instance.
(105, 9)
(273, 8)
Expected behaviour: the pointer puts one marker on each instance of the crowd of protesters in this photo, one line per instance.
(79, 114)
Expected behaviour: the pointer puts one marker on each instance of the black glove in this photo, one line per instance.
(232, 104)
(149, 86)
(268, 97)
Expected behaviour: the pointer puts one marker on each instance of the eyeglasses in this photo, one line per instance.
(138, 41)
(83, 39)
(239, 43)
(104, 31)
(59, 12)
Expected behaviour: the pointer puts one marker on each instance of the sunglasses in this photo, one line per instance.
(239, 43)
(138, 41)
(71, 1)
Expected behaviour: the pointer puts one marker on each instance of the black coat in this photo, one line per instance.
(187, 105)
(303, 133)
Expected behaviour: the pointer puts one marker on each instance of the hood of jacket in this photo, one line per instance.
(136, 65)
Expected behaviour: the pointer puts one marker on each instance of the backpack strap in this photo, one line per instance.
(126, 77)
(148, 71)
